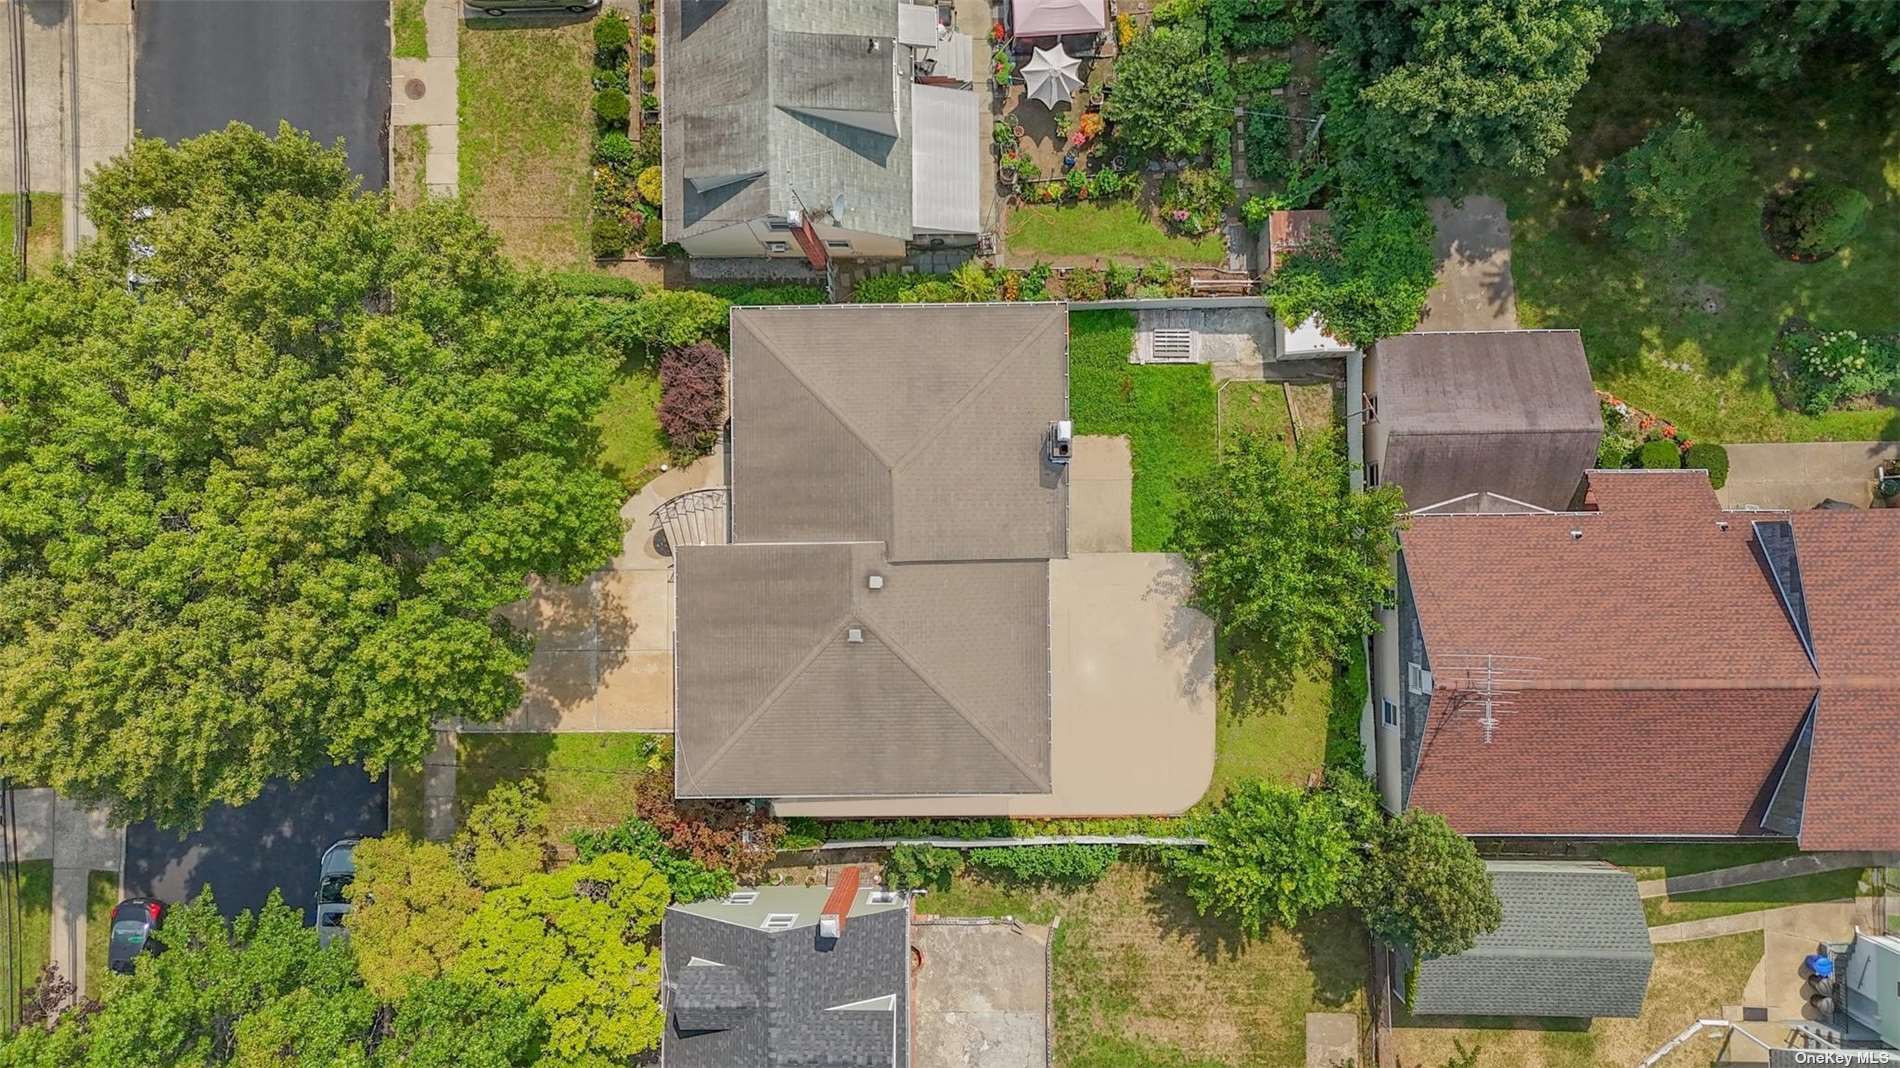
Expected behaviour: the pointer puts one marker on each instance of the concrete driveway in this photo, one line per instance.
(323, 65)
(1801, 475)
(274, 842)
(981, 994)
(1475, 290)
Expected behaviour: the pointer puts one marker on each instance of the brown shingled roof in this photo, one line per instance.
(1669, 679)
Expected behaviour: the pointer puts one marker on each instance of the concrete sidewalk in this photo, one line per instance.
(1834, 916)
(79, 840)
(1766, 871)
(423, 93)
(103, 107)
(1801, 475)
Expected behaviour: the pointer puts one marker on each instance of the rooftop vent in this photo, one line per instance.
(875, 582)
(1721, 524)
(1061, 441)
(1576, 533)
(854, 635)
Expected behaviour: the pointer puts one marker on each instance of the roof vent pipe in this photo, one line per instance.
(1576, 533)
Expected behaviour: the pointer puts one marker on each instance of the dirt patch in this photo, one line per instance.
(1315, 408)
(1705, 297)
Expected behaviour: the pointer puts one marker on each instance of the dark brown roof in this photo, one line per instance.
(1664, 681)
(1510, 412)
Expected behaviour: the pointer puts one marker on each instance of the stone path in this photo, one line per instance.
(1835, 916)
(1766, 871)
(1802, 475)
(423, 93)
(79, 841)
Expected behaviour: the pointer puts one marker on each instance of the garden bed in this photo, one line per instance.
(589, 780)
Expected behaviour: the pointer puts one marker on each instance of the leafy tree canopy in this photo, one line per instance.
(575, 944)
(504, 838)
(1424, 886)
(1173, 97)
(409, 903)
(1275, 854)
(686, 878)
(1777, 36)
(1437, 88)
(256, 513)
(1365, 280)
(1286, 559)
(1657, 189)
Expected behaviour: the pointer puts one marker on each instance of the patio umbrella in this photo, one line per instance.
(1051, 76)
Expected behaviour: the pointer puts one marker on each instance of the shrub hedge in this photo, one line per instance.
(1660, 454)
(1710, 457)
(1047, 865)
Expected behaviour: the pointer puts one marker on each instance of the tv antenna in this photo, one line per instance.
(1491, 681)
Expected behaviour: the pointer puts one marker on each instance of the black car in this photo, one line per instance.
(133, 922)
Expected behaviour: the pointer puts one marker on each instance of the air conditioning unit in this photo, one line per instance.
(1061, 441)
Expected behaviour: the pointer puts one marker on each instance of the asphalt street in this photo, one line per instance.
(273, 842)
(323, 65)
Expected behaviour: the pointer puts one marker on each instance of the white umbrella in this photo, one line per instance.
(1051, 76)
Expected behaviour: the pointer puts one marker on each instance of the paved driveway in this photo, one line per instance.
(321, 64)
(1475, 289)
(273, 842)
(1798, 475)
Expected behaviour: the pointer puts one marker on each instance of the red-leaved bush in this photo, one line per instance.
(733, 835)
(693, 397)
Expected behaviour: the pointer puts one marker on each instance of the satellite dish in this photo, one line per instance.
(837, 206)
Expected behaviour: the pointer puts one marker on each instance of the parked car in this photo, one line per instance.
(334, 873)
(498, 8)
(133, 922)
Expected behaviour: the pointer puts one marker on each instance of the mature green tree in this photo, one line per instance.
(445, 1023)
(1275, 854)
(1424, 886)
(1368, 278)
(1434, 89)
(575, 945)
(257, 511)
(1654, 191)
(222, 992)
(504, 838)
(1777, 36)
(686, 878)
(1287, 560)
(409, 902)
(1173, 97)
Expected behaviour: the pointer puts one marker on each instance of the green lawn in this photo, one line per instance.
(1114, 229)
(102, 893)
(526, 132)
(1690, 980)
(1283, 745)
(1166, 412)
(631, 444)
(45, 238)
(1821, 886)
(408, 165)
(410, 33)
(1255, 408)
(1686, 332)
(36, 920)
(405, 802)
(1668, 861)
(1141, 981)
(589, 779)
(974, 894)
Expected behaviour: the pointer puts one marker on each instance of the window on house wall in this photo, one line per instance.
(780, 921)
(833, 243)
(1411, 678)
(1391, 714)
(776, 246)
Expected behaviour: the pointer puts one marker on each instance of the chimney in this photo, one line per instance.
(838, 906)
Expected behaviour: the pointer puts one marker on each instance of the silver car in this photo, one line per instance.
(335, 872)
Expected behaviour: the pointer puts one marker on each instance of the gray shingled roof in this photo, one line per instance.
(771, 999)
(1573, 943)
(762, 98)
(1511, 412)
(905, 441)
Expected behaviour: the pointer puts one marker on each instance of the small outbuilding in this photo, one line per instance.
(1057, 18)
(1573, 943)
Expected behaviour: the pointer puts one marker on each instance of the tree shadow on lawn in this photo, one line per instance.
(1333, 942)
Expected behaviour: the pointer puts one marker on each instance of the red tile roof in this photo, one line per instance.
(1668, 681)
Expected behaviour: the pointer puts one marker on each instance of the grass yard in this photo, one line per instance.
(1821, 886)
(1686, 333)
(405, 802)
(1669, 861)
(36, 919)
(1115, 230)
(410, 34)
(1285, 745)
(409, 155)
(526, 129)
(45, 238)
(1166, 412)
(1141, 981)
(974, 894)
(1255, 408)
(102, 893)
(631, 444)
(588, 779)
(1690, 980)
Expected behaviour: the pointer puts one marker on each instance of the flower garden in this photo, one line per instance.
(626, 155)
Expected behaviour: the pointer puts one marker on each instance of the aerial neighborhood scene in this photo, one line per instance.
(958, 534)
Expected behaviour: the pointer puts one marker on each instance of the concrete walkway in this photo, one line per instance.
(1766, 871)
(79, 841)
(423, 93)
(1801, 475)
(1828, 915)
(104, 105)
(439, 817)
